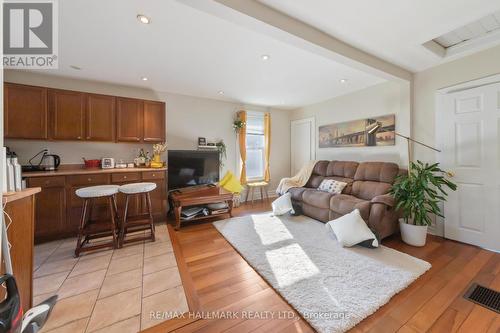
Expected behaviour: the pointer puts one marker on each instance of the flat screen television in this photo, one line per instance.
(192, 167)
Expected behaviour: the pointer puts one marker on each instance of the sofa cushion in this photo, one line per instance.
(373, 178)
(344, 204)
(320, 214)
(332, 186)
(348, 188)
(320, 168)
(283, 205)
(296, 193)
(351, 230)
(377, 172)
(317, 198)
(368, 190)
(314, 181)
(346, 169)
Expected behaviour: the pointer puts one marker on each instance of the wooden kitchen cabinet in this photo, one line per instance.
(100, 117)
(129, 119)
(154, 121)
(158, 198)
(50, 207)
(100, 208)
(66, 114)
(20, 207)
(134, 204)
(25, 112)
(44, 113)
(58, 209)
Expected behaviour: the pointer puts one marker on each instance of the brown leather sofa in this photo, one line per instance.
(367, 190)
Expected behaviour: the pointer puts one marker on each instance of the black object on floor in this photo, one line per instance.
(484, 296)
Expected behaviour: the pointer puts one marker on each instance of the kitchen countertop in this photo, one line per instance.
(13, 196)
(78, 169)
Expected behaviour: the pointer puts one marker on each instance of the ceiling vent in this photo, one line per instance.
(478, 34)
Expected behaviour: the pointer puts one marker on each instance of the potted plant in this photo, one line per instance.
(417, 196)
(238, 125)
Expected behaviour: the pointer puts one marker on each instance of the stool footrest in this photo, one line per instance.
(140, 217)
(110, 244)
(137, 223)
(133, 239)
(96, 228)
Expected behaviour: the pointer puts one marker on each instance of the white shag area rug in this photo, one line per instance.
(332, 287)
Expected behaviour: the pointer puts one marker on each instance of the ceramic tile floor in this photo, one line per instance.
(108, 290)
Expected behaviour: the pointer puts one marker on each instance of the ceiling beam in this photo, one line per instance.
(314, 39)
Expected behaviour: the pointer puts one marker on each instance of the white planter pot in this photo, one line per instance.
(413, 234)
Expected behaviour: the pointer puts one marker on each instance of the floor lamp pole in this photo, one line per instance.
(409, 140)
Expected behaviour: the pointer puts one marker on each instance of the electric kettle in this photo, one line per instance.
(50, 162)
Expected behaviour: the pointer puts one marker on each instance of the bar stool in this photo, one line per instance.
(262, 186)
(89, 229)
(141, 221)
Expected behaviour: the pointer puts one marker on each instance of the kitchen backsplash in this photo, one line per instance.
(72, 152)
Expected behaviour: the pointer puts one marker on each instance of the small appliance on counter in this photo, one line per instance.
(95, 163)
(120, 165)
(48, 162)
(108, 163)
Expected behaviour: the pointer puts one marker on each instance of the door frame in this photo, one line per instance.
(312, 121)
(440, 95)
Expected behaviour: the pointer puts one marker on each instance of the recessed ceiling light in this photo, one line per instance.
(343, 80)
(143, 19)
(265, 57)
(144, 78)
(220, 92)
(76, 67)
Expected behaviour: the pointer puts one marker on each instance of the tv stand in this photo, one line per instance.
(197, 196)
(193, 188)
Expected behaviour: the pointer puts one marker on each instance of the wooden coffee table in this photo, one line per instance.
(200, 196)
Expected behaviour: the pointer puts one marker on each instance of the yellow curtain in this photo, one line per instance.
(242, 115)
(267, 147)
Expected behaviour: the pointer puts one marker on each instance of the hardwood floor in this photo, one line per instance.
(219, 279)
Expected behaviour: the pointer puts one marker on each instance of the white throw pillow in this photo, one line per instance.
(283, 205)
(332, 186)
(351, 230)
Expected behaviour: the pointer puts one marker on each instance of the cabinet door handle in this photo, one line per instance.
(79, 137)
(90, 179)
(124, 177)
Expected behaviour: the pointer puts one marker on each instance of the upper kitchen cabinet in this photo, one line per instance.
(25, 112)
(154, 121)
(129, 119)
(44, 113)
(100, 118)
(66, 114)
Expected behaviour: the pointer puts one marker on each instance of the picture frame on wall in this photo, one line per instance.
(359, 133)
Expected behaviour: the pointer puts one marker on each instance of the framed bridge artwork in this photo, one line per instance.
(375, 131)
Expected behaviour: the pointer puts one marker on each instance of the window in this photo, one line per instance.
(255, 144)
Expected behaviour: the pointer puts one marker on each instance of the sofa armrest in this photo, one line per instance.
(385, 199)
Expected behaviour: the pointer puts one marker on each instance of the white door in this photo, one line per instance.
(468, 126)
(303, 143)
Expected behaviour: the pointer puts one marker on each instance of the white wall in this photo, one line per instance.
(427, 82)
(382, 99)
(187, 118)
